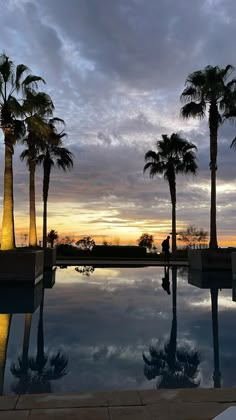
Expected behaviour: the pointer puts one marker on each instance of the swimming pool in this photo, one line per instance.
(95, 325)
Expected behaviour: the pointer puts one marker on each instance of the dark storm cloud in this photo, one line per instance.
(115, 71)
(140, 43)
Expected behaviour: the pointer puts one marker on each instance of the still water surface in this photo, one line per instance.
(92, 328)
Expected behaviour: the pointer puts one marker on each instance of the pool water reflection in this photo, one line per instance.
(118, 328)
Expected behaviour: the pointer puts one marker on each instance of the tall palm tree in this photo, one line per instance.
(36, 374)
(38, 106)
(21, 371)
(210, 91)
(175, 367)
(174, 156)
(215, 332)
(52, 154)
(5, 325)
(14, 83)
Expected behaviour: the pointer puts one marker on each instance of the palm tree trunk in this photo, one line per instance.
(215, 331)
(25, 352)
(46, 180)
(32, 228)
(213, 125)
(173, 334)
(40, 339)
(172, 185)
(8, 230)
(5, 324)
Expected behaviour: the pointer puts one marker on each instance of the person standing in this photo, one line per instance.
(166, 248)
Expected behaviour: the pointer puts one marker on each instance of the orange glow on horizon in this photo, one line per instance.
(76, 220)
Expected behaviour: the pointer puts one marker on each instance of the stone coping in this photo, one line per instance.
(121, 263)
(179, 404)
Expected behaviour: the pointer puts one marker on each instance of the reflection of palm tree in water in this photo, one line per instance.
(86, 270)
(22, 371)
(214, 313)
(35, 373)
(5, 325)
(175, 367)
(166, 280)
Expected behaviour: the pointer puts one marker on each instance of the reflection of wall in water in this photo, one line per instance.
(214, 281)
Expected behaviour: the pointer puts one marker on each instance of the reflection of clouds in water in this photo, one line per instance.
(224, 302)
(104, 331)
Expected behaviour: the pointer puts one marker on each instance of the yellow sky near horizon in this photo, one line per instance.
(110, 228)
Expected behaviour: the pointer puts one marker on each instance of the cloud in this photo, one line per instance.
(115, 71)
(106, 321)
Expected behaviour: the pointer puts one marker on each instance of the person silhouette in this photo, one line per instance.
(166, 248)
(166, 280)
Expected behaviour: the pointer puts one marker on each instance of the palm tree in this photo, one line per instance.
(52, 154)
(37, 372)
(22, 370)
(52, 237)
(215, 333)
(176, 367)
(5, 325)
(174, 155)
(38, 107)
(14, 84)
(207, 90)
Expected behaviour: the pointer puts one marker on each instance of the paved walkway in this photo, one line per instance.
(121, 263)
(190, 404)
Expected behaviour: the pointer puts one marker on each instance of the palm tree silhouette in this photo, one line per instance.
(214, 282)
(52, 236)
(215, 332)
(38, 107)
(208, 90)
(174, 156)
(14, 84)
(36, 373)
(175, 367)
(22, 370)
(52, 153)
(86, 270)
(5, 325)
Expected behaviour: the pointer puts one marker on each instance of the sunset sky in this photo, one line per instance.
(115, 70)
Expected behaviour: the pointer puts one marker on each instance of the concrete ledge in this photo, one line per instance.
(49, 278)
(98, 399)
(233, 259)
(209, 279)
(21, 299)
(210, 259)
(50, 258)
(21, 265)
(120, 263)
(176, 404)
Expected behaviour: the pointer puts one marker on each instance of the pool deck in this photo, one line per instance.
(121, 263)
(182, 404)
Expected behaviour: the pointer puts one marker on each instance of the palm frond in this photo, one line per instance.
(151, 155)
(190, 93)
(15, 107)
(31, 82)
(38, 103)
(6, 68)
(233, 144)
(24, 155)
(227, 71)
(194, 110)
(20, 70)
